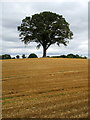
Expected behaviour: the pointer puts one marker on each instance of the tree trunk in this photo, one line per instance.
(44, 52)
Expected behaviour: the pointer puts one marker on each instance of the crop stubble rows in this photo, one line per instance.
(45, 88)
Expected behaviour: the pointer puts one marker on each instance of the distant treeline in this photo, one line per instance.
(69, 56)
(32, 55)
(7, 56)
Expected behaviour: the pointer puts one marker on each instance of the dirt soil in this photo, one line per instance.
(45, 88)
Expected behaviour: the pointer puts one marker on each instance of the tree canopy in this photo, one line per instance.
(32, 55)
(17, 56)
(70, 56)
(45, 29)
(5, 56)
(23, 56)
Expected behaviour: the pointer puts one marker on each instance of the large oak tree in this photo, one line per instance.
(45, 29)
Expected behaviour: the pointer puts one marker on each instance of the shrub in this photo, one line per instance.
(17, 56)
(6, 56)
(23, 56)
(32, 55)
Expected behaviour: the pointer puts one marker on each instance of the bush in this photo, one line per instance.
(0, 56)
(63, 56)
(70, 56)
(32, 55)
(6, 56)
(17, 56)
(23, 56)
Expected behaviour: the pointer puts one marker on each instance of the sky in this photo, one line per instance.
(13, 11)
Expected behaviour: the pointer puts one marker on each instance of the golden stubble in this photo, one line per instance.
(45, 88)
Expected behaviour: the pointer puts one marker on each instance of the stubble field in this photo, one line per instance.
(45, 88)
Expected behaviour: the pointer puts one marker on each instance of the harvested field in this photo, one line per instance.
(45, 88)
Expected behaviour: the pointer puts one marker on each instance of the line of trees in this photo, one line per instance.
(7, 56)
(70, 56)
(33, 55)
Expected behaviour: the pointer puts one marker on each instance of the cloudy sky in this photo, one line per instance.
(74, 11)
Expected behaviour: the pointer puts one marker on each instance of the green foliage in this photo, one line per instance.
(45, 29)
(69, 56)
(72, 56)
(5, 56)
(0, 56)
(63, 56)
(84, 57)
(17, 56)
(32, 55)
(23, 56)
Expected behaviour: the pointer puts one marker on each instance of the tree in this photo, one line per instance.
(17, 56)
(45, 29)
(23, 56)
(63, 56)
(0, 56)
(6, 56)
(85, 57)
(32, 55)
(77, 56)
(71, 55)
